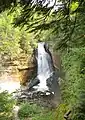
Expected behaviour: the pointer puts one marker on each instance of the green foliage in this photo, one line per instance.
(7, 4)
(38, 18)
(28, 110)
(66, 30)
(35, 112)
(6, 106)
(45, 116)
(74, 6)
(9, 37)
(13, 41)
(61, 111)
(73, 85)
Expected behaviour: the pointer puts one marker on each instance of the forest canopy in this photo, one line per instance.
(62, 18)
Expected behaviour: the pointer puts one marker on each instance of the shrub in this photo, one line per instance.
(6, 106)
(35, 112)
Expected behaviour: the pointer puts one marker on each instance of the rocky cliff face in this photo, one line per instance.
(20, 68)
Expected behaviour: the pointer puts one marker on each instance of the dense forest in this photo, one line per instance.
(61, 24)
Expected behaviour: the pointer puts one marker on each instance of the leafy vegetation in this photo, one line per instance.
(35, 112)
(60, 111)
(14, 41)
(64, 30)
(73, 83)
(6, 106)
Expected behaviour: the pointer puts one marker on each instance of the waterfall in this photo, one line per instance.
(46, 80)
(45, 68)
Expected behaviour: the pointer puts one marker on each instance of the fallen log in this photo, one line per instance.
(67, 115)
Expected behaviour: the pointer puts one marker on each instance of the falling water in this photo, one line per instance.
(47, 78)
(45, 68)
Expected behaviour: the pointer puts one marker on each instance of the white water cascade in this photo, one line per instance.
(45, 68)
(46, 80)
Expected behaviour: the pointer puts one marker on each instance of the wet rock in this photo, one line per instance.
(44, 99)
